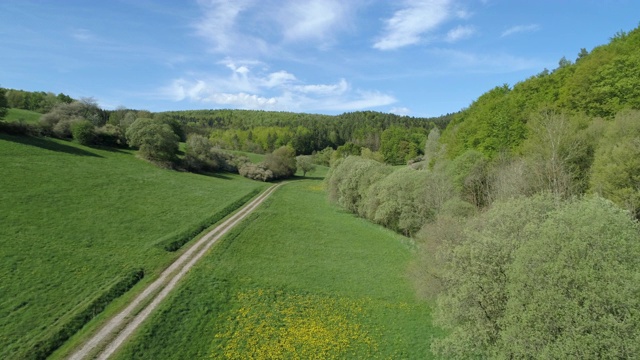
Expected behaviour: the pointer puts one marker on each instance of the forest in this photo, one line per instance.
(523, 207)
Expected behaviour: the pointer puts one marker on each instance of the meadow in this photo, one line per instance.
(22, 115)
(299, 279)
(80, 224)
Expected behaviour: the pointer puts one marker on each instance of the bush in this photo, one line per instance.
(198, 154)
(82, 132)
(156, 141)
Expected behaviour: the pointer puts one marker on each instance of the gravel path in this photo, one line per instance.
(118, 329)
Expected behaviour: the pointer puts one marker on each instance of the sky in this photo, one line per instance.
(419, 58)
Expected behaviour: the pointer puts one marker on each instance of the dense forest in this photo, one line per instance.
(525, 213)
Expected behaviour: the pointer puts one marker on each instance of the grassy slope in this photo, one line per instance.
(73, 220)
(300, 274)
(22, 115)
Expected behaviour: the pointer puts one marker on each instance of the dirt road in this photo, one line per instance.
(117, 330)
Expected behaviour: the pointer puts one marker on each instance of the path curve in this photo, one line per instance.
(118, 329)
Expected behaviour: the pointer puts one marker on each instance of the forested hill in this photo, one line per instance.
(263, 131)
(598, 84)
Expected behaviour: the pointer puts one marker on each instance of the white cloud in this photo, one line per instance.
(219, 26)
(408, 25)
(314, 19)
(278, 90)
(459, 33)
(519, 29)
(402, 111)
(335, 89)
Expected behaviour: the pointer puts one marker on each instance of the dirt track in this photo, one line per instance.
(118, 329)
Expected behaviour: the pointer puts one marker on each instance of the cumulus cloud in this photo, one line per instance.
(519, 29)
(418, 17)
(278, 90)
(459, 33)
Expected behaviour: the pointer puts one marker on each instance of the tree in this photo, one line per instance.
(83, 132)
(305, 164)
(573, 288)
(157, 142)
(3, 103)
(473, 270)
(282, 162)
(198, 155)
(616, 166)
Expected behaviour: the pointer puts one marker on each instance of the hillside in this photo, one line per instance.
(599, 84)
(79, 224)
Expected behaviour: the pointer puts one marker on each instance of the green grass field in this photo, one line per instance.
(22, 115)
(299, 279)
(75, 220)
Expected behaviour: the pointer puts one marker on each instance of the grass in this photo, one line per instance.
(22, 115)
(76, 221)
(253, 157)
(299, 279)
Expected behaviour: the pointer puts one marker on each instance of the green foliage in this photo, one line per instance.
(156, 141)
(116, 209)
(616, 167)
(324, 275)
(573, 288)
(59, 118)
(198, 154)
(3, 104)
(600, 84)
(399, 145)
(83, 132)
(305, 163)
(472, 268)
(538, 278)
(40, 101)
(282, 162)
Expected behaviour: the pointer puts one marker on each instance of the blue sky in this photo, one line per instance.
(411, 57)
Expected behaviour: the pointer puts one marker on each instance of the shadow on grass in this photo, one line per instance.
(220, 175)
(47, 144)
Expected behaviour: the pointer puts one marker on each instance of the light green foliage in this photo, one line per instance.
(75, 220)
(616, 167)
(349, 181)
(600, 84)
(538, 278)
(86, 109)
(469, 175)
(323, 157)
(573, 288)
(305, 164)
(156, 141)
(472, 265)
(198, 154)
(372, 155)
(398, 201)
(83, 132)
(297, 272)
(282, 162)
(558, 153)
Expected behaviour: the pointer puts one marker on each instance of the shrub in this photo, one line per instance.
(83, 132)
(156, 141)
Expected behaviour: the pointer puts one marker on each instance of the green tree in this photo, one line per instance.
(282, 162)
(156, 141)
(83, 132)
(305, 164)
(198, 155)
(473, 270)
(573, 288)
(616, 166)
(3, 103)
